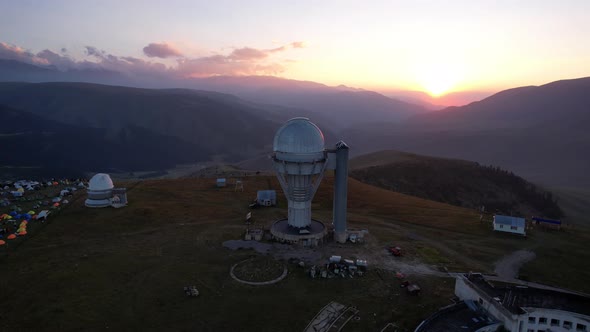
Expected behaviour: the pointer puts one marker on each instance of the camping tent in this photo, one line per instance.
(43, 215)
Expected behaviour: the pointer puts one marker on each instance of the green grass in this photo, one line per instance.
(89, 269)
(431, 255)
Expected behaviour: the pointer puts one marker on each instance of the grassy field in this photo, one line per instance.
(124, 269)
(576, 205)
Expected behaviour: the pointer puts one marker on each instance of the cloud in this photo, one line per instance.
(161, 50)
(13, 52)
(226, 65)
(93, 51)
(240, 61)
(248, 53)
(62, 62)
(125, 64)
(298, 44)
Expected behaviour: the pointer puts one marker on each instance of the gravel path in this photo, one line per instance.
(277, 250)
(377, 256)
(508, 266)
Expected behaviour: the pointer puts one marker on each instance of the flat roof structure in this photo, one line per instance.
(515, 297)
(457, 317)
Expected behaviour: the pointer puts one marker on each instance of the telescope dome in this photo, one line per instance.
(299, 135)
(100, 182)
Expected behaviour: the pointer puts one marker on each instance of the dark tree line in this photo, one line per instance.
(465, 184)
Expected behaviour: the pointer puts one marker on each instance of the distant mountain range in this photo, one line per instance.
(343, 106)
(537, 132)
(36, 146)
(216, 123)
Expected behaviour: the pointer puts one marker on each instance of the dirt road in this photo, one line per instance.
(508, 266)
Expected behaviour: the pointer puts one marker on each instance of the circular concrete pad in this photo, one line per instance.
(310, 236)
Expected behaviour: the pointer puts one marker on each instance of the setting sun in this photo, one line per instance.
(437, 79)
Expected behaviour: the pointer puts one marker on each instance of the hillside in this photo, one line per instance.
(34, 146)
(344, 106)
(551, 104)
(216, 122)
(125, 268)
(456, 182)
(537, 132)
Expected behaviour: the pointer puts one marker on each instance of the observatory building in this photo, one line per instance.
(300, 160)
(100, 191)
(489, 302)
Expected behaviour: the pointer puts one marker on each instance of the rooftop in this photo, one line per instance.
(299, 135)
(510, 221)
(515, 297)
(462, 316)
(100, 182)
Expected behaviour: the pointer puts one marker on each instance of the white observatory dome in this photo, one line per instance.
(299, 136)
(100, 182)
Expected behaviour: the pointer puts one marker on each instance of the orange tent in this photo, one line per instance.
(2, 242)
(11, 237)
(56, 204)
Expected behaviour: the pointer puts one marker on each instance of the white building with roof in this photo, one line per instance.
(488, 302)
(100, 191)
(510, 224)
(266, 197)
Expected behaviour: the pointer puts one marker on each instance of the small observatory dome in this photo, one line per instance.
(299, 136)
(100, 191)
(100, 182)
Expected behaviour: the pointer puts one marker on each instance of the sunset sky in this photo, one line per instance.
(433, 46)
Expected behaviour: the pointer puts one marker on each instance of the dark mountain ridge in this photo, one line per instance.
(220, 123)
(457, 182)
(345, 106)
(516, 108)
(35, 145)
(538, 132)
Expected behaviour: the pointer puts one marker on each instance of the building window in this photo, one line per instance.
(542, 320)
(581, 327)
(513, 228)
(530, 330)
(554, 322)
(532, 320)
(501, 226)
(567, 325)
